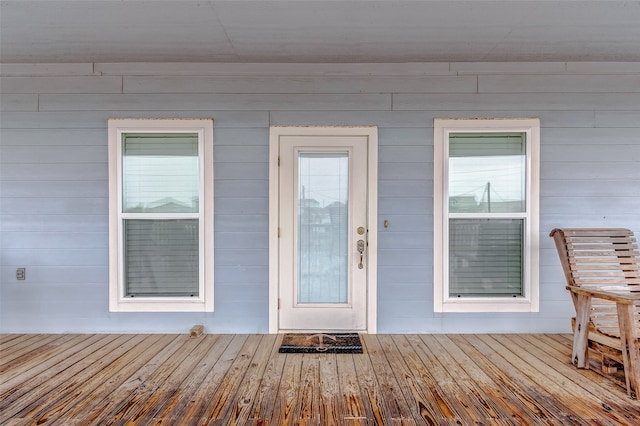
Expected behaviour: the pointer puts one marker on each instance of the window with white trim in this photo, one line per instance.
(486, 190)
(160, 215)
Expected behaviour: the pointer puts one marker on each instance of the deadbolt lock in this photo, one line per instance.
(361, 230)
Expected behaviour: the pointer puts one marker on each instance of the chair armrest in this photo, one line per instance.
(624, 296)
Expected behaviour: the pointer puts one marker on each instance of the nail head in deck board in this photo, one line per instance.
(371, 392)
(330, 402)
(41, 389)
(284, 409)
(418, 403)
(561, 355)
(426, 385)
(350, 393)
(18, 348)
(457, 393)
(266, 395)
(222, 376)
(123, 398)
(103, 383)
(222, 399)
(308, 410)
(239, 411)
(397, 407)
(57, 353)
(536, 394)
(91, 377)
(182, 398)
(572, 374)
(488, 377)
(522, 361)
(458, 370)
(160, 397)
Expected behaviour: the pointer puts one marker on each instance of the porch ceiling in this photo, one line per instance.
(318, 31)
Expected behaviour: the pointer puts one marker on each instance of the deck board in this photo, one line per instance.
(243, 380)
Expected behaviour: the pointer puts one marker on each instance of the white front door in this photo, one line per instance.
(324, 233)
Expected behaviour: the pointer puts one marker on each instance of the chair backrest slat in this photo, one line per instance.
(606, 258)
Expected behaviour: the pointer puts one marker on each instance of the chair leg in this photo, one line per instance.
(630, 349)
(580, 355)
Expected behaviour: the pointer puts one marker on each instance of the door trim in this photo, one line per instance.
(371, 132)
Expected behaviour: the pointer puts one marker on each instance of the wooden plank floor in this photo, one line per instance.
(242, 379)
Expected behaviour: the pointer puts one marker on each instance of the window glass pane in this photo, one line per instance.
(161, 258)
(323, 188)
(485, 257)
(160, 173)
(487, 172)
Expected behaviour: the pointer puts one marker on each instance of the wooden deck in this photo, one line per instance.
(242, 379)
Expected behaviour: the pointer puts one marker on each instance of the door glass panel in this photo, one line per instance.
(323, 188)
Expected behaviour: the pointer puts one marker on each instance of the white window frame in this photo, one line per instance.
(204, 301)
(529, 302)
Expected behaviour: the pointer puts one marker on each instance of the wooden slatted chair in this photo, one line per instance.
(602, 269)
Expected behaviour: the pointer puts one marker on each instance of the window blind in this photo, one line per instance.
(161, 258)
(485, 257)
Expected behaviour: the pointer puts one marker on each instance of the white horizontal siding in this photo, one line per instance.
(589, 136)
(98, 119)
(588, 219)
(603, 67)
(587, 187)
(18, 102)
(559, 84)
(606, 149)
(405, 187)
(55, 258)
(68, 171)
(302, 84)
(409, 119)
(56, 137)
(518, 101)
(54, 205)
(67, 189)
(25, 154)
(96, 84)
(198, 101)
(54, 183)
(242, 240)
(262, 69)
(618, 119)
(622, 173)
(482, 68)
(47, 69)
(404, 154)
(32, 222)
(54, 240)
(405, 222)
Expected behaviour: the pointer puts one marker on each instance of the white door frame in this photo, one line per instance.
(371, 132)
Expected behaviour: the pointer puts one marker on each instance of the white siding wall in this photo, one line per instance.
(54, 189)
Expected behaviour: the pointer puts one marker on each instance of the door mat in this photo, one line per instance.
(335, 343)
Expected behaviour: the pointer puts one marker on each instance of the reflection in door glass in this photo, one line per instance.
(323, 188)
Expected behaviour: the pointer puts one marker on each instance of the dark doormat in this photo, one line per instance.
(334, 343)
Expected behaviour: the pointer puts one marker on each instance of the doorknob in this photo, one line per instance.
(361, 249)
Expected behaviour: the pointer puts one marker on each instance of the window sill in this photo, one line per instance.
(484, 305)
(160, 306)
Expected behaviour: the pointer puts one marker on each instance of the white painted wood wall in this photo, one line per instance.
(53, 177)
